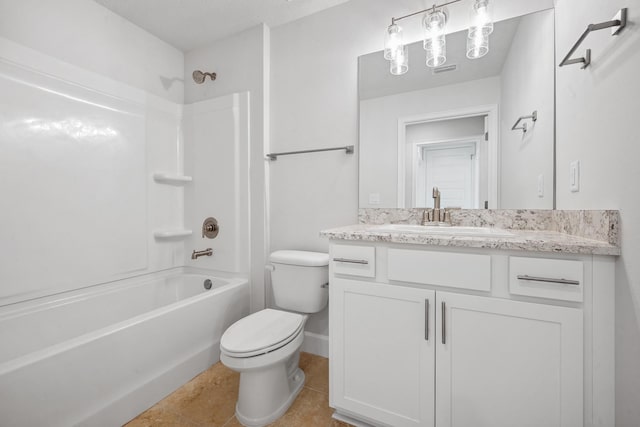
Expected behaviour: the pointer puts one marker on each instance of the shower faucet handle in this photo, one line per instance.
(210, 228)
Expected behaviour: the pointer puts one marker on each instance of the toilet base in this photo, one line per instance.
(257, 398)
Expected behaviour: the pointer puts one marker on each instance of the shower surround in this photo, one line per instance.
(101, 307)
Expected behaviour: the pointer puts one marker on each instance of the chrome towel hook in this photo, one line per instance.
(533, 116)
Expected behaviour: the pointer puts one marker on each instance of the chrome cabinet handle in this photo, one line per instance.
(547, 280)
(426, 320)
(444, 324)
(351, 261)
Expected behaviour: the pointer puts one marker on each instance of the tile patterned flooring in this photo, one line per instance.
(209, 400)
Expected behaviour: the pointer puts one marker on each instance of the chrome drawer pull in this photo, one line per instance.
(444, 322)
(351, 261)
(426, 320)
(548, 280)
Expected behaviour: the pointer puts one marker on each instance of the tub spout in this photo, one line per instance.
(198, 254)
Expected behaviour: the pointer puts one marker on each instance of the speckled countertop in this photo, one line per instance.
(552, 237)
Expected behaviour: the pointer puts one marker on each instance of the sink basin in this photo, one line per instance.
(442, 230)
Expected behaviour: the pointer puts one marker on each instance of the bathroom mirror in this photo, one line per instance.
(451, 126)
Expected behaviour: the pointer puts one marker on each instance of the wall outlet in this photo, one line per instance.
(374, 198)
(540, 185)
(574, 176)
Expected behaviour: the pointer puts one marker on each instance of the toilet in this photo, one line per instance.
(264, 347)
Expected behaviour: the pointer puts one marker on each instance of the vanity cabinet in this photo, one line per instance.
(382, 352)
(507, 363)
(406, 350)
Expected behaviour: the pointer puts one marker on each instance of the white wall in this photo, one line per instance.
(242, 64)
(597, 124)
(379, 130)
(314, 105)
(90, 36)
(527, 84)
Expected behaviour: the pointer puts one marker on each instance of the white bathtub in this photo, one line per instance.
(101, 356)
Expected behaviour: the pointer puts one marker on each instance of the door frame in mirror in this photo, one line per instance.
(493, 145)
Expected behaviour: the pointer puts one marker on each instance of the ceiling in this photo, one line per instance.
(189, 24)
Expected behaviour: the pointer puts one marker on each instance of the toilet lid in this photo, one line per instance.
(261, 332)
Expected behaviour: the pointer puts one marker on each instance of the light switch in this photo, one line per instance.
(540, 185)
(374, 198)
(574, 176)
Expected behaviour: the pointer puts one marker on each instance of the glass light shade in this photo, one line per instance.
(478, 45)
(399, 64)
(435, 43)
(434, 22)
(392, 41)
(436, 51)
(480, 18)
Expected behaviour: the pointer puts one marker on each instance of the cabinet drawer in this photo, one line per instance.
(354, 260)
(560, 279)
(456, 270)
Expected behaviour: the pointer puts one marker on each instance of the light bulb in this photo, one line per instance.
(399, 64)
(435, 43)
(480, 18)
(477, 45)
(392, 41)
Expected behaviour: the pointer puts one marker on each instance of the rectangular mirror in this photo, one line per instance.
(451, 126)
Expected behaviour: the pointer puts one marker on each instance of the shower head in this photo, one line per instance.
(199, 77)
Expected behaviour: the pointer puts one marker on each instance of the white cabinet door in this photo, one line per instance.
(507, 363)
(382, 352)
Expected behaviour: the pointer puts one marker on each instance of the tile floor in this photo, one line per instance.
(210, 398)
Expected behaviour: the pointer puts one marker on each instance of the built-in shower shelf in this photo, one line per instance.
(172, 233)
(172, 179)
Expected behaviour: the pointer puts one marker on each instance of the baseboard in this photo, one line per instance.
(316, 344)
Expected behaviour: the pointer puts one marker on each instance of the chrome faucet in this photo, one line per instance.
(437, 216)
(436, 205)
(198, 254)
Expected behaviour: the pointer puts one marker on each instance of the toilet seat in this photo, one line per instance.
(261, 332)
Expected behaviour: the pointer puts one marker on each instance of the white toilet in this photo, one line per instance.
(265, 346)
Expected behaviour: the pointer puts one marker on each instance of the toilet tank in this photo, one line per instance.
(298, 280)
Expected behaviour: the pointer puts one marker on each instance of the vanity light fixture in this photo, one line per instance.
(434, 22)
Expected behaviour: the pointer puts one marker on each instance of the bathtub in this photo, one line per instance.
(100, 356)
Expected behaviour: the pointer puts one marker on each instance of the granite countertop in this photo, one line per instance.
(522, 240)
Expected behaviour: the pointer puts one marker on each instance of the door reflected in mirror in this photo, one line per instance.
(447, 154)
(450, 127)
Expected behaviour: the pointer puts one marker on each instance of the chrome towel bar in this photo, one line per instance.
(274, 156)
(619, 21)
